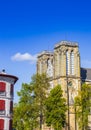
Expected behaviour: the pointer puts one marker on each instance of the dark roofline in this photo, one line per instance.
(10, 76)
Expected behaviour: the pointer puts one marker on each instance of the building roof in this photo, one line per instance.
(67, 43)
(86, 74)
(45, 53)
(4, 74)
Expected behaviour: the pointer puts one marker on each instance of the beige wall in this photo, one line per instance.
(59, 71)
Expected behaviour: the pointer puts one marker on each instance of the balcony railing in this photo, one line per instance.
(3, 93)
(2, 112)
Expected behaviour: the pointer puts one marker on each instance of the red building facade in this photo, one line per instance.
(6, 100)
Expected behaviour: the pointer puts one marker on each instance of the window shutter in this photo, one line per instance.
(2, 105)
(2, 87)
(1, 124)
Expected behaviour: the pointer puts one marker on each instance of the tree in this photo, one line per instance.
(83, 106)
(56, 108)
(41, 86)
(30, 109)
(25, 113)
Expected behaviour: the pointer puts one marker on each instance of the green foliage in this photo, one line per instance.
(25, 113)
(31, 108)
(56, 108)
(83, 105)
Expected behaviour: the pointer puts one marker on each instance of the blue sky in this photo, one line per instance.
(28, 27)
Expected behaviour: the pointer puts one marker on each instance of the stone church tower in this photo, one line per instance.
(63, 67)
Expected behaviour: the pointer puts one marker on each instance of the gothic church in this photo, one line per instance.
(63, 67)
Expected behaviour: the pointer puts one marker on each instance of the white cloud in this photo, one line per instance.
(24, 57)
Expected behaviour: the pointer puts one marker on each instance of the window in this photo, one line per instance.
(11, 90)
(2, 107)
(2, 88)
(1, 124)
(11, 106)
(10, 124)
(49, 68)
(67, 63)
(72, 62)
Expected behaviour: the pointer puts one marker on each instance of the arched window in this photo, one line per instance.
(2, 88)
(72, 62)
(67, 63)
(49, 68)
(1, 124)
